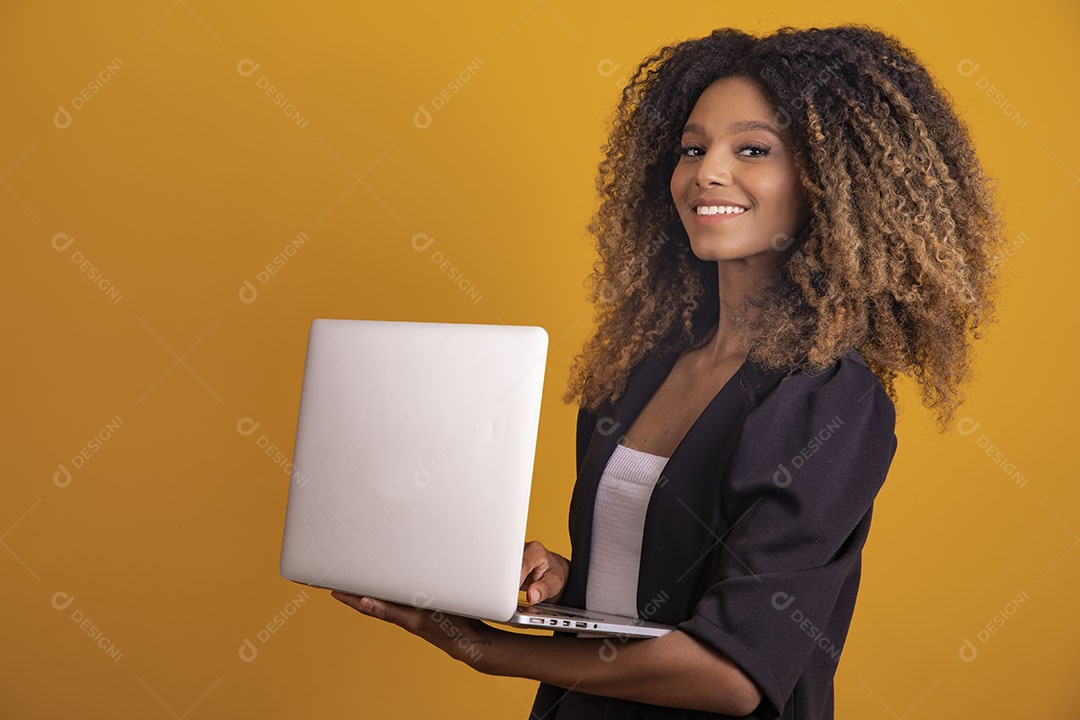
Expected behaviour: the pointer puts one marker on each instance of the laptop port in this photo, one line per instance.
(581, 624)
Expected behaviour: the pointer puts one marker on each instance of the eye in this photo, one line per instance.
(688, 151)
(754, 150)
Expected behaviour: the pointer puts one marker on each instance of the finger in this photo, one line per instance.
(533, 562)
(534, 574)
(365, 605)
(540, 590)
(390, 612)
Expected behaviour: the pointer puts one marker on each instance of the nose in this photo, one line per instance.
(713, 169)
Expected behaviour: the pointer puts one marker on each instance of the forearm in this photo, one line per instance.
(674, 670)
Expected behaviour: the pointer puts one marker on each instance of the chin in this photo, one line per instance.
(727, 251)
(714, 251)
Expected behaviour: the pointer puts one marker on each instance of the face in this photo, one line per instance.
(735, 186)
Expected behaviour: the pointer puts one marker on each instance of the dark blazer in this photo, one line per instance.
(754, 531)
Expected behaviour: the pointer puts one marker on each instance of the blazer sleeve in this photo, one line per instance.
(586, 421)
(795, 509)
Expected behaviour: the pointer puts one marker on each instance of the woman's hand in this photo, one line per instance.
(675, 670)
(461, 638)
(543, 574)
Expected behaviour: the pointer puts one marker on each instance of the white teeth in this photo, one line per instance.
(719, 210)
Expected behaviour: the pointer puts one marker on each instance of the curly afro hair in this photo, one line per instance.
(898, 259)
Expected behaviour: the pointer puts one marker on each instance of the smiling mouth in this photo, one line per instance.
(719, 210)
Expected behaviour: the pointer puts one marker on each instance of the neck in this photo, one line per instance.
(738, 281)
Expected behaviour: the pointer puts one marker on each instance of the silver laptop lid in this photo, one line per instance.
(413, 462)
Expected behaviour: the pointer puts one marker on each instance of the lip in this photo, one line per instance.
(714, 201)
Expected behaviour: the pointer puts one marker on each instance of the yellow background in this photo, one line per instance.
(179, 180)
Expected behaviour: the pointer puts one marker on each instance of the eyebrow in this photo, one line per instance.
(737, 127)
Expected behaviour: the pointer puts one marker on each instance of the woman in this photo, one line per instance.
(787, 223)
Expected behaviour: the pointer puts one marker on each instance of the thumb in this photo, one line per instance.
(539, 590)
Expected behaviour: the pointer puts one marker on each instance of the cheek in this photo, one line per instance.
(678, 184)
(785, 195)
(799, 204)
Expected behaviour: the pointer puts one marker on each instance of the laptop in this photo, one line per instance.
(413, 465)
